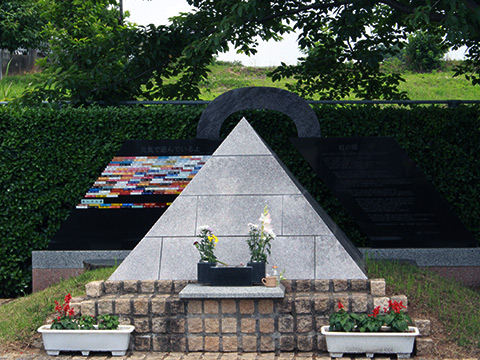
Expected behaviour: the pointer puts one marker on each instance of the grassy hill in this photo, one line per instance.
(438, 85)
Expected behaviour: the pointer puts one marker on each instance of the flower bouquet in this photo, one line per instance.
(260, 237)
(206, 249)
(259, 245)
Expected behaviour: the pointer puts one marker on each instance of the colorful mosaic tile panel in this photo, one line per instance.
(122, 205)
(141, 175)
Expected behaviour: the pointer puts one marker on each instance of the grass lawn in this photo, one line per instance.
(12, 87)
(427, 86)
(452, 308)
(20, 318)
(439, 86)
(226, 76)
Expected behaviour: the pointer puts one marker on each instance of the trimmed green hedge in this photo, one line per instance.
(49, 158)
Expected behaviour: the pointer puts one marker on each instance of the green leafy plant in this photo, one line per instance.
(342, 320)
(65, 316)
(424, 51)
(107, 322)
(4, 86)
(260, 237)
(453, 304)
(21, 24)
(206, 245)
(87, 322)
(66, 320)
(20, 319)
(395, 318)
(370, 323)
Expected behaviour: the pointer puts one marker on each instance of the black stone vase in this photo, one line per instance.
(203, 272)
(258, 271)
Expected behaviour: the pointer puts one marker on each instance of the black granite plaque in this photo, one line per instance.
(119, 229)
(389, 197)
(169, 147)
(119, 219)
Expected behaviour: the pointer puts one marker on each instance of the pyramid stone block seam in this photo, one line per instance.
(197, 198)
(282, 231)
(225, 169)
(315, 257)
(160, 257)
(214, 155)
(249, 195)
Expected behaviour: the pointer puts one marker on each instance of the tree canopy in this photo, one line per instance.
(96, 57)
(21, 24)
(344, 41)
(423, 53)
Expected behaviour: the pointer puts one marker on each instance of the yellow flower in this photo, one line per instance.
(213, 237)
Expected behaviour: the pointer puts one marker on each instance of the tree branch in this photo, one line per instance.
(305, 8)
(437, 17)
(397, 6)
(434, 16)
(394, 4)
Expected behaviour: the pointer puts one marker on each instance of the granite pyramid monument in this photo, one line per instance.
(230, 191)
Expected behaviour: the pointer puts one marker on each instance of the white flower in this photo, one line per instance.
(204, 228)
(270, 233)
(265, 218)
(267, 228)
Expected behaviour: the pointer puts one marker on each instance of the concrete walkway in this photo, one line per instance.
(41, 355)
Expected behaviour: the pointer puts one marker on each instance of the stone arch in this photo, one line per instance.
(268, 98)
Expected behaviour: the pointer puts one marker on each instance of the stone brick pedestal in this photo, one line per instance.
(164, 322)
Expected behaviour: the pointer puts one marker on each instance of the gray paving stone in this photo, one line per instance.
(138, 356)
(198, 291)
(72, 259)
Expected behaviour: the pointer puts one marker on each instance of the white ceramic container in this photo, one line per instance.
(114, 341)
(384, 342)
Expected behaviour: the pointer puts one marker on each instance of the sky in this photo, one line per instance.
(144, 12)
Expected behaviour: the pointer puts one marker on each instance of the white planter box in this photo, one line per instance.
(115, 341)
(399, 343)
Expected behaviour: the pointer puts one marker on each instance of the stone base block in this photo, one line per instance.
(43, 278)
(166, 322)
(423, 346)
